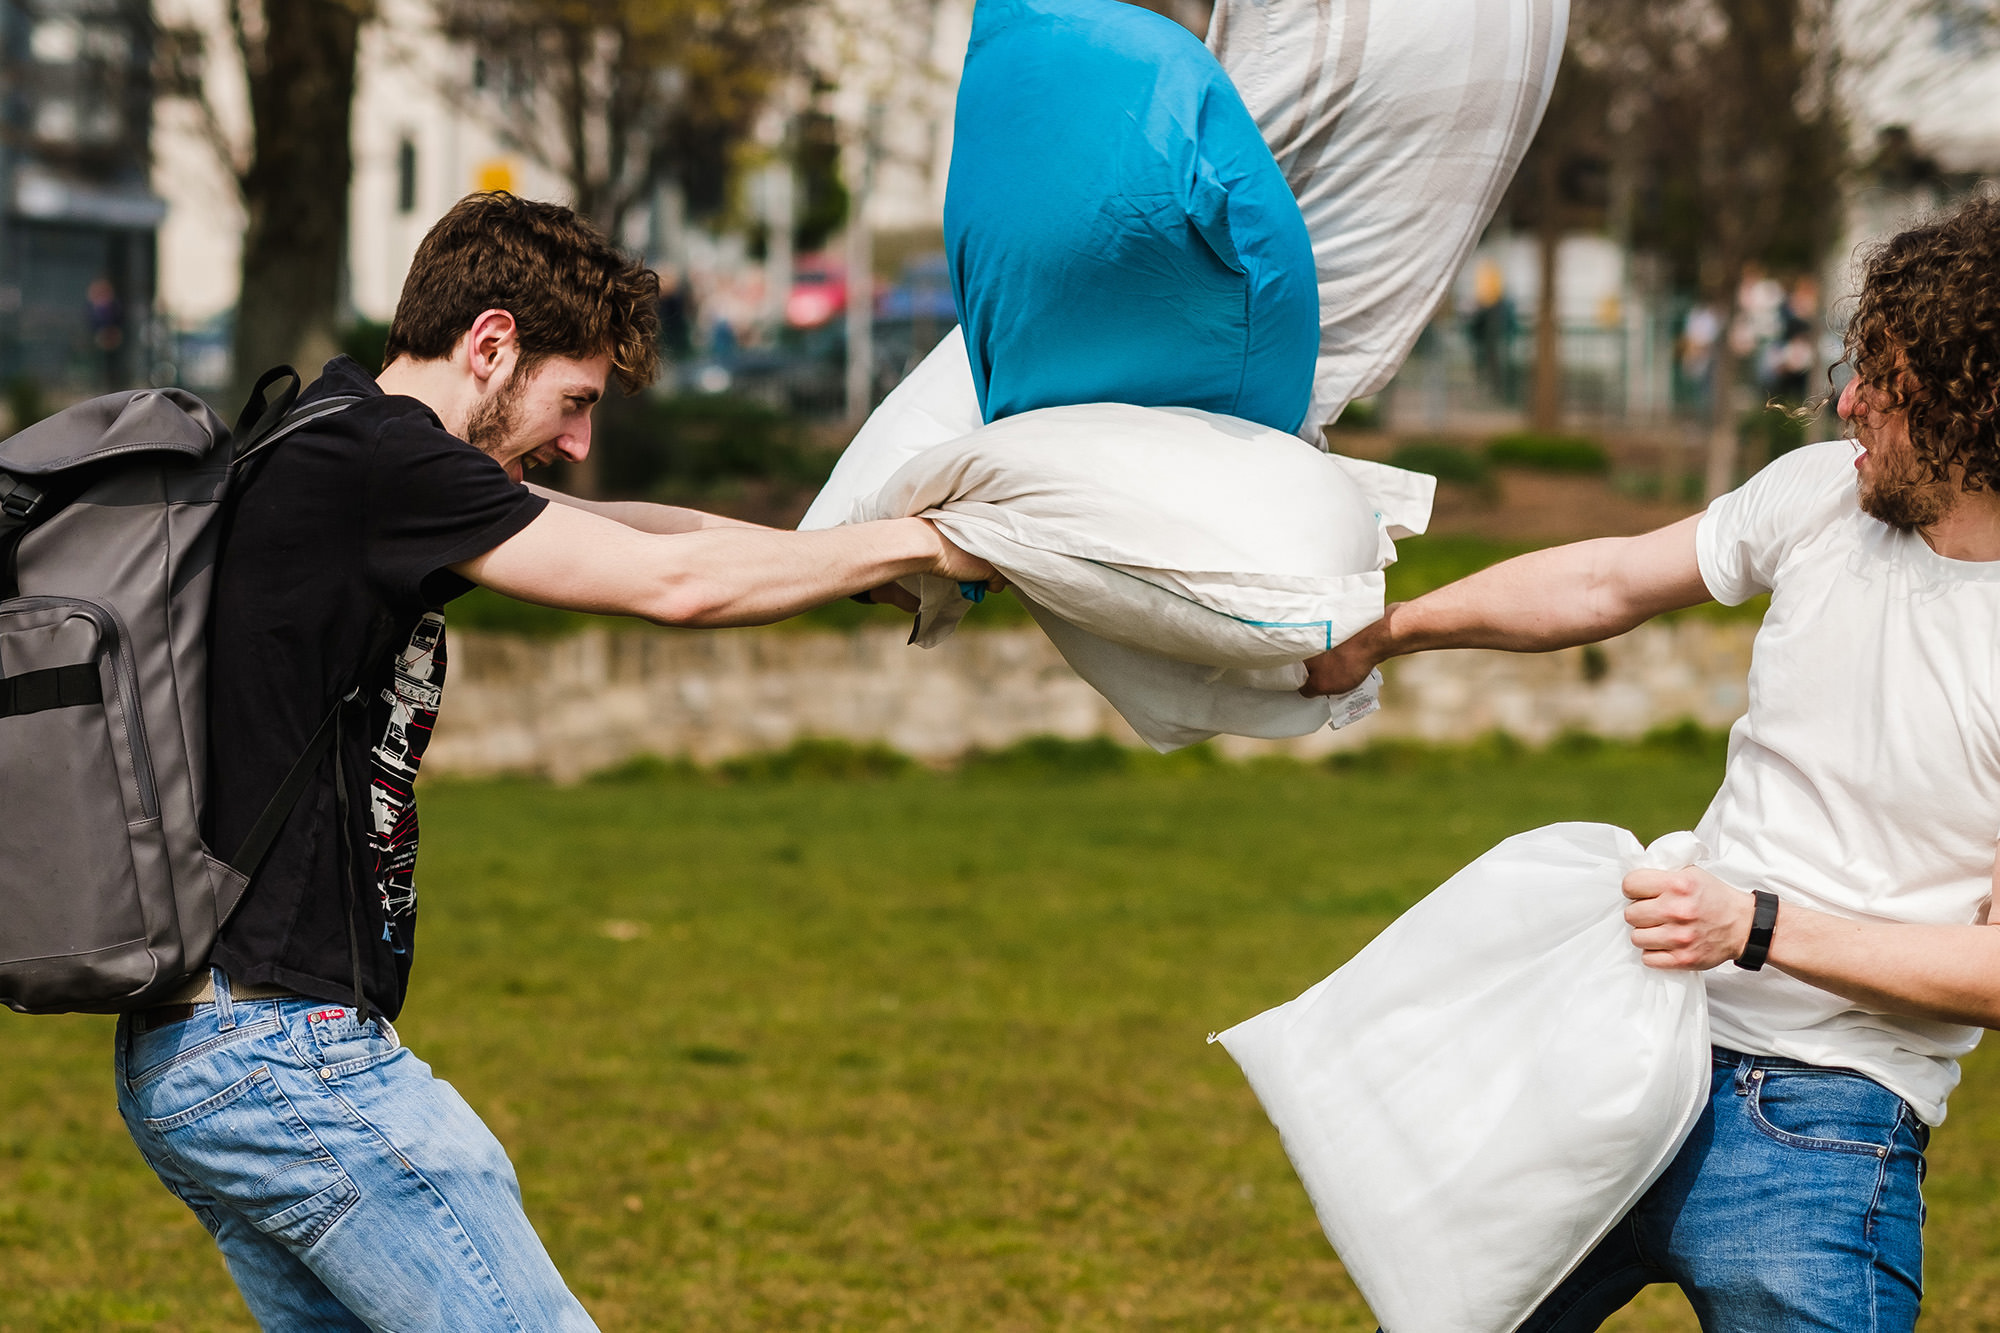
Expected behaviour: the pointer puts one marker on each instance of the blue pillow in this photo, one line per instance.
(1117, 228)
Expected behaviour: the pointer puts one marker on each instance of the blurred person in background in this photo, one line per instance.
(1491, 326)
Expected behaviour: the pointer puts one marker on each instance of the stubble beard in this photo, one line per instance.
(491, 424)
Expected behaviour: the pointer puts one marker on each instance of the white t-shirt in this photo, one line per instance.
(1865, 779)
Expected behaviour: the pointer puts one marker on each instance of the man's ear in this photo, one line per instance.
(492, 346)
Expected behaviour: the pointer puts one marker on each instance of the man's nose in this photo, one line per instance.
(1850, 398)
(574, 444)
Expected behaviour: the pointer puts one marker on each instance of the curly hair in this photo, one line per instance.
(1925, 339)
(570, 292)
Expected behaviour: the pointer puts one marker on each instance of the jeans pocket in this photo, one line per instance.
(250, 1149)
(151, 1056)
(341, 1045)
(1825, 1110)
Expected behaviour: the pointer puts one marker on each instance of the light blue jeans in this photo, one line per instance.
(1796, 1204)
(347, 1187)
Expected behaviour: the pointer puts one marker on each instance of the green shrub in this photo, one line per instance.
(1051, 756)
(26, 403)
(1687, 737)
(822, 759)
(1361, 414)
(1424, 563)
(367, 342)
(1573, 742)
(645, 770)
(1446, 462)
(1548, 453)
(484, 609)
(658, 448)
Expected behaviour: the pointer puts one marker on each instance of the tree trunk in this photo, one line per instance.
(1723, 447)
(301, 73)
(860, 255)
(1545, 410)
(1720, 477)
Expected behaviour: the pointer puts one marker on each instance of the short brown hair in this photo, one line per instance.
(571, 293)
(1925, 338)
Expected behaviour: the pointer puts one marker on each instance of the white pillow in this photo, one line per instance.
(1144, 540)
(1198, 537)
(1481, 1093)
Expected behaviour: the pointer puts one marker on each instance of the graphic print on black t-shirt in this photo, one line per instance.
(415, 689)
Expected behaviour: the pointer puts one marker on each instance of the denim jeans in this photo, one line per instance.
(346, 1187)
(1796, 1204)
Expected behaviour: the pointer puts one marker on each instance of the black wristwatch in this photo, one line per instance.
(1758, 947)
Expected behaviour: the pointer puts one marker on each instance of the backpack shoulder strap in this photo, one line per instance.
(299, 419)
(21, 505)
(266, 419)
(257, 843)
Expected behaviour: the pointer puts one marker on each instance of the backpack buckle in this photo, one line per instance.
(18, 500)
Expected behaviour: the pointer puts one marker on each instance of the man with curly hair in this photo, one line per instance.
(347, 1188)
(1851, 870)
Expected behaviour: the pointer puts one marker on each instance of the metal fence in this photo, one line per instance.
(1460, 378)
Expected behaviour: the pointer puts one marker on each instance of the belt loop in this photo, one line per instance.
(1743, 1066)
(225, 1009)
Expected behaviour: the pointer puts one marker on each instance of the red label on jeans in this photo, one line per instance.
(326, 1014)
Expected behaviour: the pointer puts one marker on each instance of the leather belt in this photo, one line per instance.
(197, 991)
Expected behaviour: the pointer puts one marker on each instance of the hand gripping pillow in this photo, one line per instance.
(1164, 535)
(1199, 537)
(1116, 226)
(1481, 1093)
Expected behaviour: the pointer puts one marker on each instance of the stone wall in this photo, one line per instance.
(566, 707)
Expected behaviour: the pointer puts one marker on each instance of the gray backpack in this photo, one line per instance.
(111, 516)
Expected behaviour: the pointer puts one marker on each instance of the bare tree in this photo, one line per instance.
(1730, 108)
(1559, 189)
(615, 95)
(292, 167)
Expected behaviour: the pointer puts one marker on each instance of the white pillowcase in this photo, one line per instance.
(1184, 563)
(1480, 1094)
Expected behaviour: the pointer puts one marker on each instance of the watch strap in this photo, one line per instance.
(1762, 923)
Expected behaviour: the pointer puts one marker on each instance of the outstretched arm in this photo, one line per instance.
(714, 576)
(1689, 919)
(1534, 603)
(643, 516)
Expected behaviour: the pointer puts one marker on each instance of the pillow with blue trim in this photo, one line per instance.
(1117, 228)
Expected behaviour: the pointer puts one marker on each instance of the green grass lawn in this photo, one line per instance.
(918, 1052)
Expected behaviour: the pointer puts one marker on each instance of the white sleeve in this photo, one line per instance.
(1745, 535)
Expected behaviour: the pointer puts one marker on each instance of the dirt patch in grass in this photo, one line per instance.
(1543, 508)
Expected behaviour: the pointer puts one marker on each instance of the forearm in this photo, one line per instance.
(642, 516)
(756, 576)
(1538, 602)
(711, 577)
(1557, 598)
(1947, 973)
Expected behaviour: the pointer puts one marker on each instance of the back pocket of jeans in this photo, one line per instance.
(249, 1148)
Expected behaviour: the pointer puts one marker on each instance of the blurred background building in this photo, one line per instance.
(78, 230)
(1675, 253)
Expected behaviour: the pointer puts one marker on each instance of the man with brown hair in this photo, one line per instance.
(346, 1187)
(1851, 846)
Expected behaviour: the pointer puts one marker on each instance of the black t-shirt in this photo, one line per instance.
(333, 573)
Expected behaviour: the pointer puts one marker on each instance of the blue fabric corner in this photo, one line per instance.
(1117, 228)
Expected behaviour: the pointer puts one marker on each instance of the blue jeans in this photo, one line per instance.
(1796, 1204)
(346, 1187)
